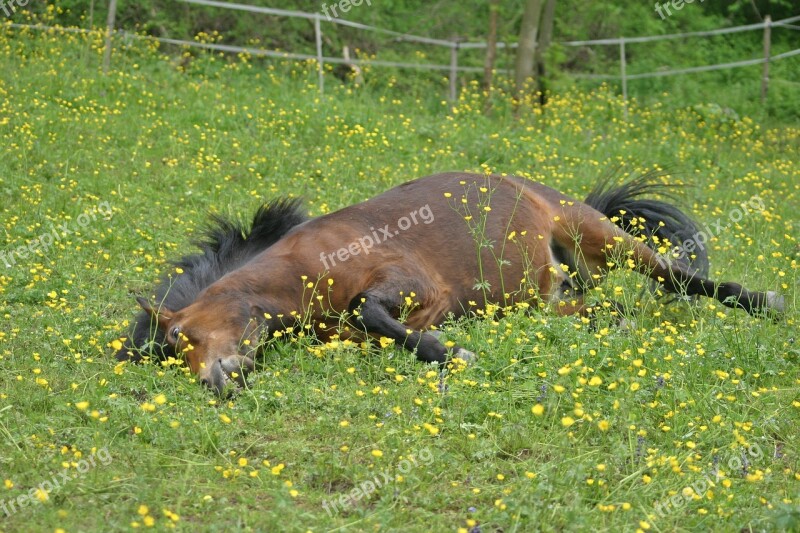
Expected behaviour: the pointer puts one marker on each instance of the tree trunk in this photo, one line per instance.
(527, 44)
(491, 46)
(545, 38)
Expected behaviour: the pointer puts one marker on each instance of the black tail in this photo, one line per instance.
(225, 246)
(624, 203)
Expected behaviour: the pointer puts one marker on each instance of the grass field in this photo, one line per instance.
(688, 421)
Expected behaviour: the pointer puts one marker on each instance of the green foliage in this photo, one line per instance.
(738, 89)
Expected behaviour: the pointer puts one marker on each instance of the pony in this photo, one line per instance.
(422, 251)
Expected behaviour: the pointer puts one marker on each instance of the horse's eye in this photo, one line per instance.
(175, 333)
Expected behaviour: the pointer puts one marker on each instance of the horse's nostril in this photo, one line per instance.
(205, 382)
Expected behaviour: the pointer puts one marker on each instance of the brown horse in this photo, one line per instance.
(440, 242)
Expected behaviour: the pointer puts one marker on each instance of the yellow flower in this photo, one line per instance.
(567, 421)
(537, 409)
(225, 418)
(377, 453)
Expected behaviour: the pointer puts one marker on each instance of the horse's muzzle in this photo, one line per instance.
(226, 373)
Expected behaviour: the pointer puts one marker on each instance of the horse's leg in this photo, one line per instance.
(374, 314)
(678, 278)
(603, 242)
(566, 294)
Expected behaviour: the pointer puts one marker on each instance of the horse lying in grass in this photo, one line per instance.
(442, 241)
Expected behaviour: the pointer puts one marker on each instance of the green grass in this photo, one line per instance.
(628, 418)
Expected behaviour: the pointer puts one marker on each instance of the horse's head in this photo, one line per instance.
(218, 337)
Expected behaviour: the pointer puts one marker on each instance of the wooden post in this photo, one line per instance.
(765, 73)
(453, 69)
(318, 37)
(491, 48)
(622, 69)
(90, 27)
(112, 14)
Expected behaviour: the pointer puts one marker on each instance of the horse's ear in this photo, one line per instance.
(161, 315)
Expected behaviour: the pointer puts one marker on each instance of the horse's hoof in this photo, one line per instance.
(776, 302)
(465, 355)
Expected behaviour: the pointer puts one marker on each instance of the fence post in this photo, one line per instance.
(112, 14)
(765, 74)
(622, 69)
(318, 37)
(453, 69)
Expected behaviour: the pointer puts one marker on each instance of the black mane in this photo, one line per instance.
(225, 246)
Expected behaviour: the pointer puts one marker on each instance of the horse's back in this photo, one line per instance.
(459, 236)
